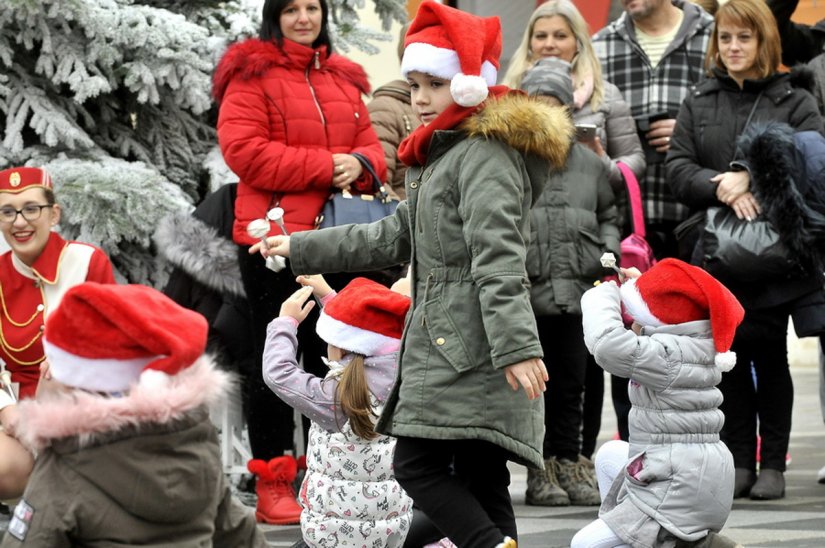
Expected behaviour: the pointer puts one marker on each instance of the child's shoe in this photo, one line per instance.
(712, 540)
(769, 486)
(507, 543)
(578, 482)
(543, 487)
(276, 499)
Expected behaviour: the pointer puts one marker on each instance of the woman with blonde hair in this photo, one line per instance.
(557, 29)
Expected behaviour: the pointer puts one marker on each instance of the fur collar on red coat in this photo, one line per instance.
(89, 415)
(253, 58)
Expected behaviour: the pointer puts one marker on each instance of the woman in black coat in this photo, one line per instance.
(703, 168)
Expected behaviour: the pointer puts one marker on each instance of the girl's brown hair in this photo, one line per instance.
(354, 397)
(753, 15)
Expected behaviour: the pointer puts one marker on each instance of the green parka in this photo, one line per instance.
(465, 229)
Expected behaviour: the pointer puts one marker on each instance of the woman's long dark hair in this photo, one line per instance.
(271, 23)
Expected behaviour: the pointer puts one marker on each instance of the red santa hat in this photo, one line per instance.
(18, 179)
(103, 337)
(365, 318)
(674, 292)
(457, 46)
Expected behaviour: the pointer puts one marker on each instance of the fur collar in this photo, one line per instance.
(776, 168)
(91, 416)
(525, 124)
(252, 58)
(199, 250)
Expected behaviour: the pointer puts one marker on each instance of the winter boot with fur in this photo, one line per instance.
(543, 486)
(276, 499)
(712, 540)
(577, 481)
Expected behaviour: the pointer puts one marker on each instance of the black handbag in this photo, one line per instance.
(344, 207)
(737, 250)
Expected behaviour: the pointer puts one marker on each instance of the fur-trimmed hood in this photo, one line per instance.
(198, 249)
(90, 417)
(526, 124)
(254, 57)
(786, 169)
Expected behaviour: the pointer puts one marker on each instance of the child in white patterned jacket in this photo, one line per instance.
(349, 494)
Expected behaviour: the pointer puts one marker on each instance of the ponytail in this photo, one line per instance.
(354, 397)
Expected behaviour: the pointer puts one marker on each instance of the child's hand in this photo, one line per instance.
(296, 305)
(531, 374)
(320, 287)
(278, 245)
(630, 273)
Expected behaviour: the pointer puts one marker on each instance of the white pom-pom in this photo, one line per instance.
(468, 91)
(725, 360)
(153, 379)
(258, 228)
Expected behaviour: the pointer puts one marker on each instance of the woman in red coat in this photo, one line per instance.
(291, 115)
(34, 274)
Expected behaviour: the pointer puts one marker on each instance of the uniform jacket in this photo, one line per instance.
(465, 228)
(349, 493)
(617, 131)
(572, 224)
(31, 293)
(656, 89)
(712, 117)
(686, 479)
(393, 119)
(139, 470)
(283, 112)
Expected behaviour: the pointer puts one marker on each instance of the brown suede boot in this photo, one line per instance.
(276, 499)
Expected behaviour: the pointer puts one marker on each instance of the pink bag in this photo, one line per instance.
(635, 249)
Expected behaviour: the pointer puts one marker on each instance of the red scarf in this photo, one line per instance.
(413, 150)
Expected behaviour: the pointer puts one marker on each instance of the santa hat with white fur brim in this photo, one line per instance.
(365, 318)
(674, 292)
(457, 46)
(107, 337)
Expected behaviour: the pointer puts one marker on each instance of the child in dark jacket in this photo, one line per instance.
(126, 453)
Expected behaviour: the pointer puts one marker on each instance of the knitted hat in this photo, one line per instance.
(102, 337)
(365, 318)
(674, 292)
(17, 179)
(550, 76)
(457, 46)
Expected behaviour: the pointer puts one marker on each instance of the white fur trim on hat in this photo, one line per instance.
(468, 91)
(725, 360)
(96, 375)
(354, 339)
(636, 306)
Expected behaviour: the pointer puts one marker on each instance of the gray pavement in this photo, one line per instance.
(796, 521)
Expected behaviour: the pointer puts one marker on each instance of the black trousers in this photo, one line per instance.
(592, 406)
(462, 485)
(269, 419)
(565, 356)
(759, 399)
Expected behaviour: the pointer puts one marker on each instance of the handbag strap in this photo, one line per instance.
(635, 196)
(365, 162)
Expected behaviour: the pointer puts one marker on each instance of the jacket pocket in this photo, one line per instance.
(445, 337)
(589, 250)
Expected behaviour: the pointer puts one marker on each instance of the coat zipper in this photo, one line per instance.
(317, 63)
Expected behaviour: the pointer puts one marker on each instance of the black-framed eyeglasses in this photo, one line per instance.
(30, 212)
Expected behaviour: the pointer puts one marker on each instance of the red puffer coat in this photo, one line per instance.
(283, 113)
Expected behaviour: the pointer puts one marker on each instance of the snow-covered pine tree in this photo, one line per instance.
(112, 98)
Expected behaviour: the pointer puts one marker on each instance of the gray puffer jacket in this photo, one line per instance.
(617, 130)
(573, 223)
(685, 484)
(464, 228)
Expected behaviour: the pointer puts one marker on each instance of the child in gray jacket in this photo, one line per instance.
(674, 479)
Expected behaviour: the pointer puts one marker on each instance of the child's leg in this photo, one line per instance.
(488, 478)
(424, 468)
(610, 459)
(597, 534)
